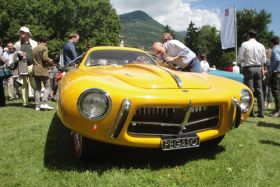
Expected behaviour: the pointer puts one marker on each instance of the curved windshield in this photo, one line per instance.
(117, 57)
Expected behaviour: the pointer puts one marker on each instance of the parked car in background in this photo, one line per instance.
(234, 76)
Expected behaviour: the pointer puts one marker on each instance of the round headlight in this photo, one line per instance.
(245, 101)
(94, 104)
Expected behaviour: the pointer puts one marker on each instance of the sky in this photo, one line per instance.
(179, 13)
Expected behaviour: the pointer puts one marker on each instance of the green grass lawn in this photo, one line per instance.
(36, 150)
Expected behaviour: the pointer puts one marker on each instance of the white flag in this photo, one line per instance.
(228, 28)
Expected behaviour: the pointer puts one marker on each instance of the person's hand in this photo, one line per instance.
(263, 71)
(21, 53)
(170, 59)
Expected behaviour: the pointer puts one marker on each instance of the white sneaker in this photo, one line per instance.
(37, 108)
(46, 106)
(269, 105)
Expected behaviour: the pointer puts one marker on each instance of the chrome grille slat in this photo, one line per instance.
(156, 123)
(202, 120)
(170, 120)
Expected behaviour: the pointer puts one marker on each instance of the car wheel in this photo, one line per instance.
(214, 142)
(85, 149)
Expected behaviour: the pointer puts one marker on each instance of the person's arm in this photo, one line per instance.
(241, 54)
(272, 63)
(46, 58)
(1, 51)
(5, 58)
(73, 51)
(170, 59)
(182, 54)
(263, 57)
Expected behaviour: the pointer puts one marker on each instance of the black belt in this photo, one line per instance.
(191, 62)
(254, 66)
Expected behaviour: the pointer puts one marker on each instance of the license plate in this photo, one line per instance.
(168, 143)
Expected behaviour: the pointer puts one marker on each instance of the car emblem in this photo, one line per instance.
(186, 91)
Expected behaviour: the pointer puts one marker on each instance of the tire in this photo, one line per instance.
(85, 149)
(214, 142)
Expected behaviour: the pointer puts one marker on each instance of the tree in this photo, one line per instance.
(95, 21)
(192, 38)
(252, 19)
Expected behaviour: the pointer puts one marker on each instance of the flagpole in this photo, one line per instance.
(235, 25)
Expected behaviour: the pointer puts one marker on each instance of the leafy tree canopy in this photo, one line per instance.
(95, 21)
(252, 19)
(192, 37)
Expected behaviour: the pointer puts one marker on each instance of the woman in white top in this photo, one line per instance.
(204, 64)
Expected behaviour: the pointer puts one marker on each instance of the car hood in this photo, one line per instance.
(154, 77)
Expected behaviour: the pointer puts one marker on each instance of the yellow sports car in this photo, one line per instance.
(121, 96)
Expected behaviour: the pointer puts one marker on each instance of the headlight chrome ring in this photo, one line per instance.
(94, 104)
(245, 100)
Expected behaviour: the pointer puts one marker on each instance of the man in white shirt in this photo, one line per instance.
(175, 52)
(235, 68)
(252, 57)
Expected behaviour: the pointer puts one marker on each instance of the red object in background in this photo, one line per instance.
(226, 12)
(59, 75)
(228, 68)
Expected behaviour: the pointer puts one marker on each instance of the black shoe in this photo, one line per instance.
(31, 99)
(260, 116)
(252, 115)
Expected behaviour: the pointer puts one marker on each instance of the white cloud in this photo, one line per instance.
(175, 13)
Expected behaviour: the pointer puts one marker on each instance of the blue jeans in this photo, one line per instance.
(194, 66)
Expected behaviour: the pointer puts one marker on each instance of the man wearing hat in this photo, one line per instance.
(24, 50)
(252, 58)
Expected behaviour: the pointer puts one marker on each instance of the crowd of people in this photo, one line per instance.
(33, 72)
(32, 67)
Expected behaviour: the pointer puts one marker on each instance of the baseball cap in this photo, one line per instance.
(24, 29)
(234, 63)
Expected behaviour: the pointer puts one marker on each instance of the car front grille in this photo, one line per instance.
(169, 121)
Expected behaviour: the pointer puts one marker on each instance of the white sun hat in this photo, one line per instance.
(24, 29)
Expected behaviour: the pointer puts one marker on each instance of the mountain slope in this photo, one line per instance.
(141, 30)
